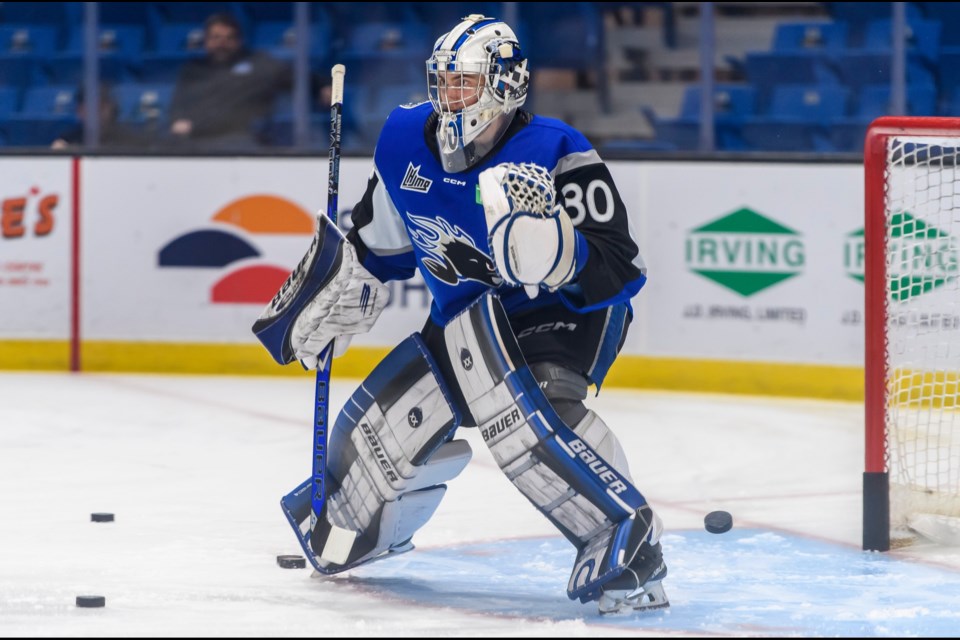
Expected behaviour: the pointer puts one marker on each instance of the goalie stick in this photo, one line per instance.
(295, 506)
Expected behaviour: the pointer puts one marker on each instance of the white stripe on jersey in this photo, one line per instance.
(386, 234)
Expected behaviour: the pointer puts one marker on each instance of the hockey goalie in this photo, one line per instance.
(532, 262)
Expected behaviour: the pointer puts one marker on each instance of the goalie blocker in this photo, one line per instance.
(329, 295)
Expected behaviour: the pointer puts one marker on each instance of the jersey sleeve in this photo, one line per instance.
(379, 235)
(613, 271)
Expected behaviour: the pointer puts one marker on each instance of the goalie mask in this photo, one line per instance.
(477, 78)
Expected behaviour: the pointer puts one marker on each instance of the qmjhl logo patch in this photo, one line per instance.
(413, 181)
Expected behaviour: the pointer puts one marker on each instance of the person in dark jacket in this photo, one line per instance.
(220, 98)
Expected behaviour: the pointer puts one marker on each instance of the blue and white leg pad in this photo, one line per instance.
(591, 503)
(388, 457)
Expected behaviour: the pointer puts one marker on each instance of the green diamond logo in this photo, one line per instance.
(745, 252)
(920, 257)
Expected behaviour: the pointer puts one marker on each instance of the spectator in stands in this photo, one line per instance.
(220, 99)
(112, 132)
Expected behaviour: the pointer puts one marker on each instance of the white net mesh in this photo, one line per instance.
(923, 327)
(529, 187)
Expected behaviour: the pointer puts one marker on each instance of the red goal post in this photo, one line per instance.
(911, 480)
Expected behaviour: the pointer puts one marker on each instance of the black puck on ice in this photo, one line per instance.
(90, 602)
(718, 522)
(292, 562)
(101, 517)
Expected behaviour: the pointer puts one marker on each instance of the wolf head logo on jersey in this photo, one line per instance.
(453, 255)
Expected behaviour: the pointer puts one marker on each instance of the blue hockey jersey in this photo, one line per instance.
(415, 215)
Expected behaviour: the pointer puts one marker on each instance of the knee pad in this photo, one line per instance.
(566, 390)
(388, 456)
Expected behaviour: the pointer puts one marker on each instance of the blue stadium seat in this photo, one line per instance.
(50, 13)
(948, 73)
(810, 36)
(138, 14)
(367, 105)
(795, 120)
(38, 40)
(858, 14)
(68, 69)
(561, 36)
(194, 13)
(728, 100)
(17, 71)
(809, 103)
(260, 12)
(159, 68)
(923, 37)
(279, 39)
(443, 16)
(951, 105)
(765, 70)
(385, 68)
(122, 40)
(948, 13)
(389, 37)
(874, 101)
(179, 38)
(50, 101)
(344, 14)
(140, 103)
(278, 131)
(9, 101)
(732, 105)
(858, 68)
(25, 131)
(847, 133)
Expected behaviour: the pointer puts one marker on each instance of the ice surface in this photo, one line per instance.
(194, 468)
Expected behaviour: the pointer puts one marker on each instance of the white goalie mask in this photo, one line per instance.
(477, 78)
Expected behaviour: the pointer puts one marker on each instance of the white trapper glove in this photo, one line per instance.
(349, 304)
(532, 239)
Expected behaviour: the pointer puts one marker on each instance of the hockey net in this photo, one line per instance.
(912, 229)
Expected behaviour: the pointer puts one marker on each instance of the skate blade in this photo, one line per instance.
(650, 597)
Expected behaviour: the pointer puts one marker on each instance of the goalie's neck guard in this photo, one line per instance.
(476, 79)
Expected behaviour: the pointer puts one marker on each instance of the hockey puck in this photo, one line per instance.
(91, 602)
(292, 562)
(718, 522)
(101, 517)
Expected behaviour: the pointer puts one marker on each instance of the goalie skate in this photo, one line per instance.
(639, 587)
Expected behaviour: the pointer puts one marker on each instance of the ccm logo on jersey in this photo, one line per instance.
(605, 473)
(378, 451)
(549, 326)
(455, 182)
(413, 181)
(504, 422)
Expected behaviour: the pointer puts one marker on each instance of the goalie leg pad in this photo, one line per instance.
(593, 504)
(388, 457)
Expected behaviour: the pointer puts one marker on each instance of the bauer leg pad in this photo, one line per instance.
(592, 503)
(388, 457)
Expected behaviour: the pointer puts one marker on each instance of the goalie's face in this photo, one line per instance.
(457, 90)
